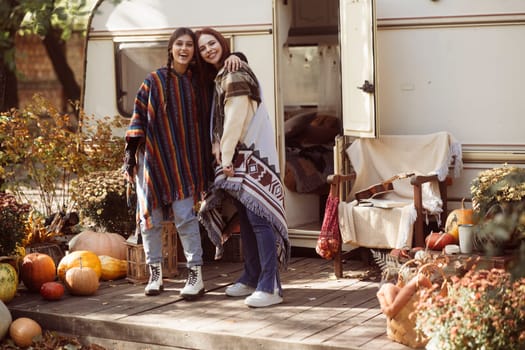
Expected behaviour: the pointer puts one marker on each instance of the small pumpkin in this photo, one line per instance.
(89, 259)
(52, 291)
(81, 280)
(8, 282)
(37, 269)
(458, 217)
(100, 243)
(5, 320)
(113, 269)
(23, 330)
(438, 240)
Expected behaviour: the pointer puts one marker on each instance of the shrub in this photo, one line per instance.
(101, 197)
(483, 310)
(42, 149)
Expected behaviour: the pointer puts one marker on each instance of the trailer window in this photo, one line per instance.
(312, 77)
(301, 69)
(133, 62)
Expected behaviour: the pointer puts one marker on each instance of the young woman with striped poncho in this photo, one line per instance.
(168, 154)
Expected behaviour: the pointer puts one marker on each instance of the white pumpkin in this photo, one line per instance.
(100, 243)
(5, 320)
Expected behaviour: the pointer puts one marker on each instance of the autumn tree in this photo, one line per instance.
(53, 21)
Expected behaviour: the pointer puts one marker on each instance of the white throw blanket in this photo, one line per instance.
(374, 161)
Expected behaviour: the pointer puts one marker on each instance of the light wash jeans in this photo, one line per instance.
(187, 228)
(259, 247)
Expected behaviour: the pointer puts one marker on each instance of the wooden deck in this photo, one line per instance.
(318, 312)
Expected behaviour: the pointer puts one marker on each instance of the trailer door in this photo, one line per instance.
(357, 40)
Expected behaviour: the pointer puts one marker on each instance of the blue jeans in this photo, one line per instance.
(187, 228)
(259, 252)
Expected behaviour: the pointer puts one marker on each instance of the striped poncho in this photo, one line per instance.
(174, 155)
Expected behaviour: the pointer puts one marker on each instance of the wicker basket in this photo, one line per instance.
(402, 327)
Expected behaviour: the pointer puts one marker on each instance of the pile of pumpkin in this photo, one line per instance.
(93, 256)
(450, 236)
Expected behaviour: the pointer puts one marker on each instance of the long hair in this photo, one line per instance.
(209, 70)
(174, 36)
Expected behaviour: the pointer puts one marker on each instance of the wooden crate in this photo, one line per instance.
(51, 249)
(137, 269)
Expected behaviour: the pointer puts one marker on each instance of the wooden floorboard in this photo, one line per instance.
(319, 312)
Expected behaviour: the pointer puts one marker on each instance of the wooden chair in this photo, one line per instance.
(342, 182)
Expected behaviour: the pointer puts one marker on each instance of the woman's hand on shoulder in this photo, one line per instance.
(232, 63)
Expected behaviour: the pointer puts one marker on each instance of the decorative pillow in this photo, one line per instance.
(322, 130)
(297, 123)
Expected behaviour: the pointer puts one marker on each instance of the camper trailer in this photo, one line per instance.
(360, 68)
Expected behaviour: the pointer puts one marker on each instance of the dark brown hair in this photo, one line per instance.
(212, 71)
(174, 36)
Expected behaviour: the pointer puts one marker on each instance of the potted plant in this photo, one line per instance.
(102, 201)
(13, 219)
(484, 309)
(498, 202)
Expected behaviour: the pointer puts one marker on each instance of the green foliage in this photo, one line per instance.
(37, 17)
(62, 14)
(40, 150)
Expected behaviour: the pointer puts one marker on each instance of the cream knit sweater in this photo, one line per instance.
(238, 113)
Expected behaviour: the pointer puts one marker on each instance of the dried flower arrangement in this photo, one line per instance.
(498, 201)
(504, 184)
(102, 202)
(485, 309)
(13, 217)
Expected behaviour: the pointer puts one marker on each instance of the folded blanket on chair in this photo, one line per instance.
(375, 160)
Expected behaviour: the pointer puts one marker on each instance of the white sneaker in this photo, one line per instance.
(194, 287)
(154, 286)
(239, 290)
(263, 299)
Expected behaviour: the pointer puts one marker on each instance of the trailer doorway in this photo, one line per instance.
(310, 97)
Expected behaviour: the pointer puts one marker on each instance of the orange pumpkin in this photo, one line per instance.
(439, 240)
(23, 330)
(458, 217)
(89, 259)
(81, 280)
(37, 269)
(100, 243)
